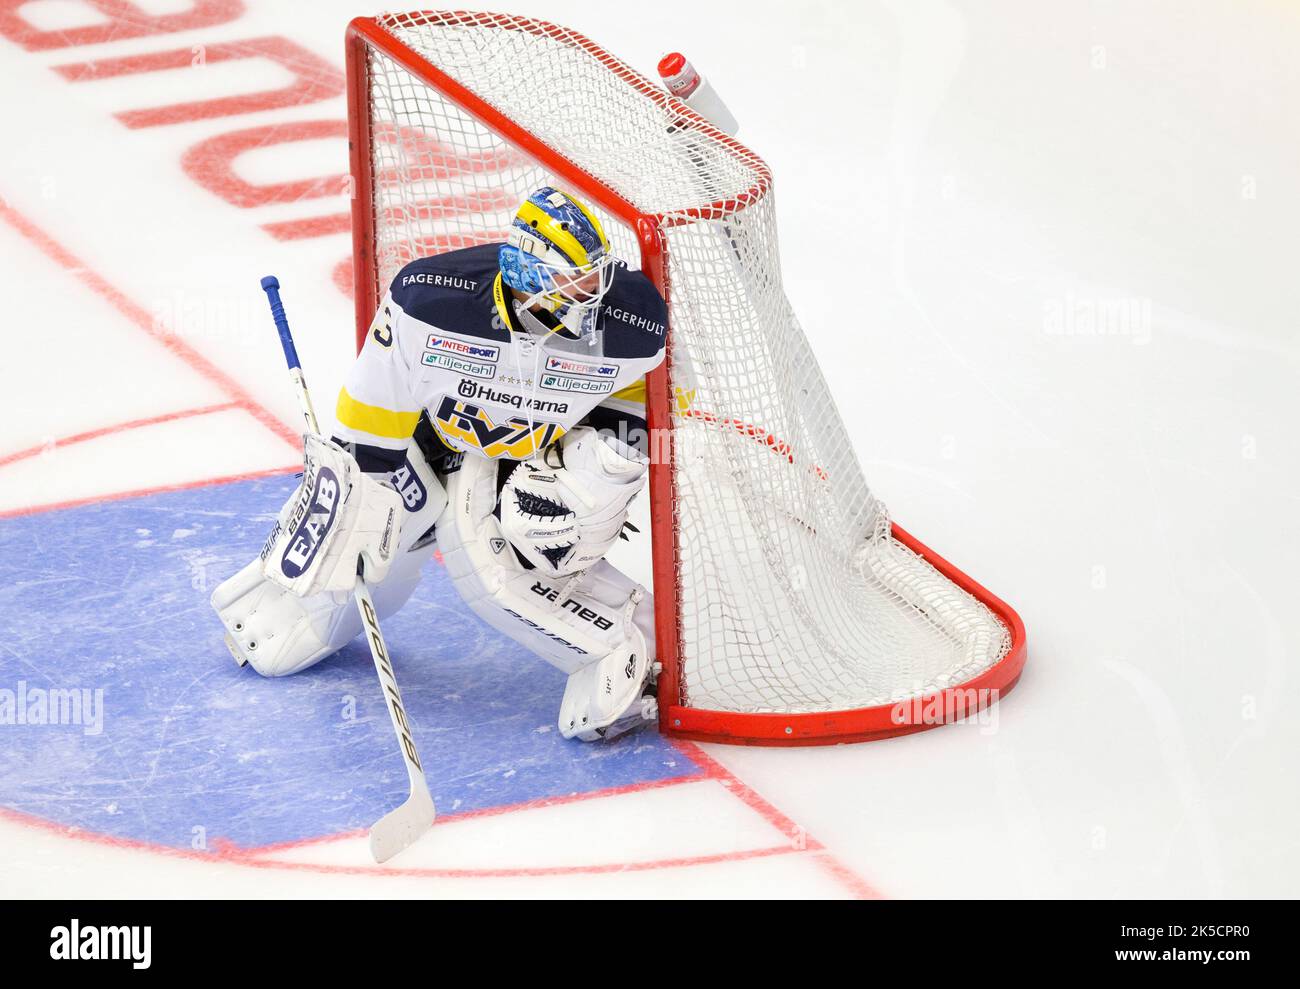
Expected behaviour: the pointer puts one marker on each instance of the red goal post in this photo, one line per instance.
(445, 114)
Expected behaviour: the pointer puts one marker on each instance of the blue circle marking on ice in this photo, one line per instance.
(111, 600)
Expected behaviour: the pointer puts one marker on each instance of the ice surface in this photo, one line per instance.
(960, 193)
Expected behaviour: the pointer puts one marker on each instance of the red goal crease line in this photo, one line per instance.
(261, 857)
(226, 853)
(798, 840)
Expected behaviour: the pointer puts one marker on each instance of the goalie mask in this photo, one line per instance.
(557, 254)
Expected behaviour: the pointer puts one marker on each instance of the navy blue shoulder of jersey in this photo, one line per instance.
(453, 291)
(633, 316)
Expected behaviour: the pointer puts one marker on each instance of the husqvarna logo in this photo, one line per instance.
(485, 392)
(321, 508)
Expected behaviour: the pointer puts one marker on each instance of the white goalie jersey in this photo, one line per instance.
(448, 342)
(516, 449)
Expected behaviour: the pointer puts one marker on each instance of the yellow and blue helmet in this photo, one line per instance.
(557, 254)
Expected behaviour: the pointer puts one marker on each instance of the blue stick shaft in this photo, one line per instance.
(271, 285)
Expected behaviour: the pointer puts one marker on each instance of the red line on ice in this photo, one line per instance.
(710, 770)
(537, 804)
(142, 320)
(231, 854)
(227, 852)
(143, 492)
(525, 872)
(120, 427)
(756, 802)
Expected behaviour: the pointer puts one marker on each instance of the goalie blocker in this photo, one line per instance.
(290, 608)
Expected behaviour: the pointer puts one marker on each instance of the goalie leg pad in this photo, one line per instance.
(279, 633)
(597, 626)
(608, 691)
(337, 514)
(274, 630)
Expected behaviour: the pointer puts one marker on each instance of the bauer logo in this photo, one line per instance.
(562, 382)
(270, 542)
(565, 365)
(310, 533)
(546, 632)
(479, 351)
(450, 362)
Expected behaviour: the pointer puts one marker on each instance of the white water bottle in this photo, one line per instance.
(684, 82)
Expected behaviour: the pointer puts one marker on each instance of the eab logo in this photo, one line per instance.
(406, 482)
(468, 425)
(459, 365)
(562, 382)
(321, 507)
(566, 365)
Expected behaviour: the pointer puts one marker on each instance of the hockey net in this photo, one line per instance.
(788, 608)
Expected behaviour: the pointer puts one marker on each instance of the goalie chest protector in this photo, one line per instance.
(490, 387)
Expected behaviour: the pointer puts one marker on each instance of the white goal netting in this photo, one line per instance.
(791, 594)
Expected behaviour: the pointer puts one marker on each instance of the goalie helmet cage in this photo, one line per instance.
(789, 609)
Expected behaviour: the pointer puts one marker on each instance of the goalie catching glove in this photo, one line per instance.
(563, 516)
(337, 515)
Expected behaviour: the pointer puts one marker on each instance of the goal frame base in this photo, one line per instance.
(869, 723)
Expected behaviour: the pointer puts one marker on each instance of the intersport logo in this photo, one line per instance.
(483, 352)
(566, 365)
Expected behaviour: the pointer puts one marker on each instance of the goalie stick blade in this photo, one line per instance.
(399, 829)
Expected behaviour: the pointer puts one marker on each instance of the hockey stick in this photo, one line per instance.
(399, 828)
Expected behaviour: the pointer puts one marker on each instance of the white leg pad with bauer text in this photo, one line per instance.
(597, 626)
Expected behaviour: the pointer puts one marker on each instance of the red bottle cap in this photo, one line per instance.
(678, 74)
